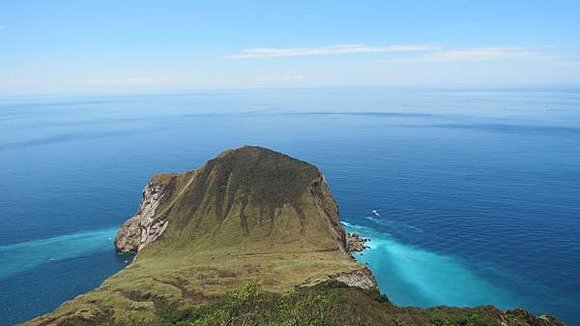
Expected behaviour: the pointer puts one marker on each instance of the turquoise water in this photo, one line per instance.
(68, 246)
(412, 276)
(478, 190)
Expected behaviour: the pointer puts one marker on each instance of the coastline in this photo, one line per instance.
(356, 243)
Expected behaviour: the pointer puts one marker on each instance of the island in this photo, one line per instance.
(252, 237)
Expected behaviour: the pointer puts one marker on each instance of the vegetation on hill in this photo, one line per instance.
(334, 303)
(252, 237)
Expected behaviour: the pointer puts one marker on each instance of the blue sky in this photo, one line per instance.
(73, 46)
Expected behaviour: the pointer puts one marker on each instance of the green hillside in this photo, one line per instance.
(252, 237)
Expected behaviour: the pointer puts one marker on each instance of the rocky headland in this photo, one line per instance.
(252, 237)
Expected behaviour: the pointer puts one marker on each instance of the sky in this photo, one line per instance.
(84, 46)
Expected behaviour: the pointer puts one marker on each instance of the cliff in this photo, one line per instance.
(252, 237)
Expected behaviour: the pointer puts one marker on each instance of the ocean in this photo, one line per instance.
(478, 191)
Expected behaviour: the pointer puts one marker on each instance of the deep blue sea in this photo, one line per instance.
(478, 191)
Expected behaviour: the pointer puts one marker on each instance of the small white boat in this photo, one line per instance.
(376, 213)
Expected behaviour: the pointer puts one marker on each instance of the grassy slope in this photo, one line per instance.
(247, 216)
(250, 216)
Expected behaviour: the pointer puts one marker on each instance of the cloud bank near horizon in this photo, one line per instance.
(328, 50)
(412, 52)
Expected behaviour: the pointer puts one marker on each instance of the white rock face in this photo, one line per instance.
(151, 226)
(145, 227)
(363, 279)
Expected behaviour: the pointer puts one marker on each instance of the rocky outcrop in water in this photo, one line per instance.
(356, 243)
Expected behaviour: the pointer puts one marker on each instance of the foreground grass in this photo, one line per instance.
(333, 303)
(325, 303)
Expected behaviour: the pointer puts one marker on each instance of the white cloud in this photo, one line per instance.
(284, 78)
(573, 62)
(18, 83)
(477, 54)
(328, 50)
(128, 81)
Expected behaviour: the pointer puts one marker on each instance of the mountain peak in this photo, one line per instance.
(250, 195)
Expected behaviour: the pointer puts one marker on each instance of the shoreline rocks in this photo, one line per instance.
(356, 243)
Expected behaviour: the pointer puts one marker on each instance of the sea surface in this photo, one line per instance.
(478, 191)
